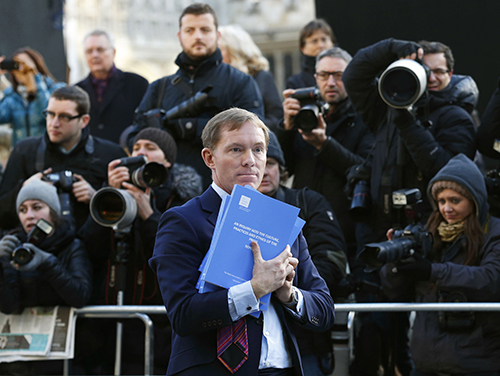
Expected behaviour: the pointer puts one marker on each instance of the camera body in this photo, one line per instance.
(62, 180)
(144, 174)
(311, 107)
(42, 229)
(414, 238)
(9, 65)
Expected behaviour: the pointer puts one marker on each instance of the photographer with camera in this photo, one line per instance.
(24, 102)
(65, 149)
(147, 194)
(326, 245)
(42, 263)
(463, 266)
(413, 141)
(200, 70)
(320, 149)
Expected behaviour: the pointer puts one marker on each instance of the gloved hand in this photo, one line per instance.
(7, 245)
(403, 48)
(417, 270)
(403, 118)
(183, 128)
(39, 256)
(353, 175)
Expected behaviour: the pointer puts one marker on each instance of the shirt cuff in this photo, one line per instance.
(298, 309)
(241, 301)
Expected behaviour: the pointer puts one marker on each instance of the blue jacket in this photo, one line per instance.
(183, 238)
(27, 117)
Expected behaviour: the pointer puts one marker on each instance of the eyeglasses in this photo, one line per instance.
(324, 76)
(440, 71)
(63, 118)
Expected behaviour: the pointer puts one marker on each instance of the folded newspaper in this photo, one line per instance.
(38, 333)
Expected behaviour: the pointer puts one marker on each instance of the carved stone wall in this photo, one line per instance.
(146, 31)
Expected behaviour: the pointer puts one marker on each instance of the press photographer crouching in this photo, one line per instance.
(42, 263)
(462, 266)
(132, 205)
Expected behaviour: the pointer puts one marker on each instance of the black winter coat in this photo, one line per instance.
(62, 279)
(440, 130)
(349, 143)
(305, 78)
(123, 94)
(89, 158)
(273, 109)
(489, 131)
(230, 88)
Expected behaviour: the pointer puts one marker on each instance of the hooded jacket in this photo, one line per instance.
(471, 349)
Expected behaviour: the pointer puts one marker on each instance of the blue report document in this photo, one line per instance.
(245, 216)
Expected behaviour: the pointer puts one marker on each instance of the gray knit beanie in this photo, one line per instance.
(38, 190)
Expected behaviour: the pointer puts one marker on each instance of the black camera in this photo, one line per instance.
(361, 202)
(9, 65)
(62, 180)
(403, 83)
(311, 107)
(492, 180)
(414, 238)
(144, 174)
(42, 229)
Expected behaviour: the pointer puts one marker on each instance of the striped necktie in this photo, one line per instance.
(232, 345)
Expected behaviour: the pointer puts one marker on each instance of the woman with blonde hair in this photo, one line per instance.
(240, 51)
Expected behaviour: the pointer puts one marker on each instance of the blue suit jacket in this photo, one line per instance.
(183, 238)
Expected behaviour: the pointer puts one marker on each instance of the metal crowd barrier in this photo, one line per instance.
(142, 312)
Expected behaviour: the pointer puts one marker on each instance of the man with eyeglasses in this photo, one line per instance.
(114, 94)
(411, 146)
(66, 145)
(320, 159)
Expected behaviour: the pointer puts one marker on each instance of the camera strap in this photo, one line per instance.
(42, 147)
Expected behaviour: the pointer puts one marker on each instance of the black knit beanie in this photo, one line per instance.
(161, 138)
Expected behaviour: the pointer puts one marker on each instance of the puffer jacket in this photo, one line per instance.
(440, 129)
(61, 279)
(27, 117)
(471, 349)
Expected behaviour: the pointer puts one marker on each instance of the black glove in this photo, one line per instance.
(403, 48)
(354, 174)
(403, 118)
(183, 128)
(417, 270)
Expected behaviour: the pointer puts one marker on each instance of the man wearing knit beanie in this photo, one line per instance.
(324, 238)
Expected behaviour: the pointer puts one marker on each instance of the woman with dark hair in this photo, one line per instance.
(23, 103)
(59, 272)
(463, 266)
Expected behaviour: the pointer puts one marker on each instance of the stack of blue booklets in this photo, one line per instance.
(245, 216)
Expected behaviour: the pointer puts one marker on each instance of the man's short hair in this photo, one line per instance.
(436, 48)
(74, 94)
(334, 52)
(231, 119)
(99, 32)
(312, 27)
(199, 9)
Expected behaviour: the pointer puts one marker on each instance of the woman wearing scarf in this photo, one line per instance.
(463, 266)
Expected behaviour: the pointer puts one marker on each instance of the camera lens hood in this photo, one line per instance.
(112, 207)
(402, 83)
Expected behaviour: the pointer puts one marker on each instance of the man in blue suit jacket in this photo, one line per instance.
(235, 143)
